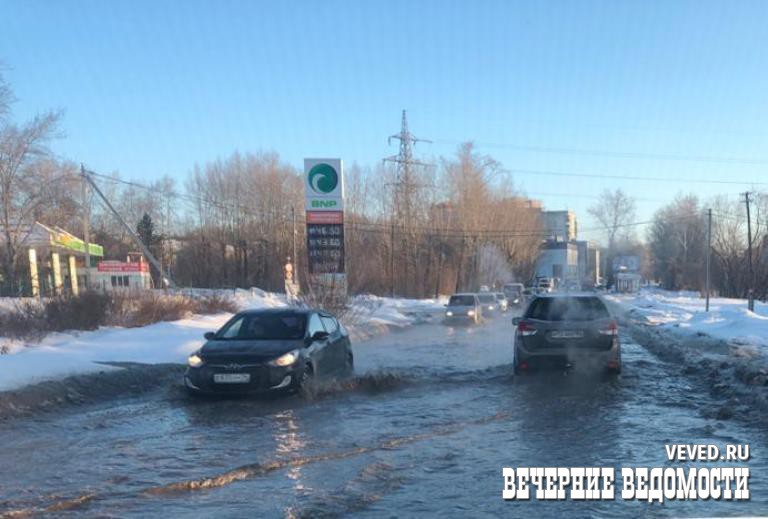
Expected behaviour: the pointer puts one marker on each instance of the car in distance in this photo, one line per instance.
(502, 302)
(544, 285)
(515, 294)
(261, 351)
(561, 330)
(488, 302)
(463, 308)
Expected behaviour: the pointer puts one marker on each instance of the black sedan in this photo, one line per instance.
(260, 351)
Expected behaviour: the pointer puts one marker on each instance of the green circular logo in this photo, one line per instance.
(323, 179)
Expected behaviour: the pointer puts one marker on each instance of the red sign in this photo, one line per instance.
(121, 266)
(325, 217)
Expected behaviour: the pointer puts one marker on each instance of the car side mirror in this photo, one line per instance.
(516, 320)
(320, 336)
(209, 335)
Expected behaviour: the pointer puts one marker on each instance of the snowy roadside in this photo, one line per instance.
(62, 355)
(683, 314)
(728, 345)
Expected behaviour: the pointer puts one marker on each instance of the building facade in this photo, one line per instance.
(559, 225)
(559, 260)
(589, 263)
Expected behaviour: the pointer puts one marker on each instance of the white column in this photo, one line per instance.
(58, 286)
(73, 275)
(33, 275)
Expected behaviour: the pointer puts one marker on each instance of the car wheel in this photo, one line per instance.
(614, 368)
(306, 377)
(350, 362)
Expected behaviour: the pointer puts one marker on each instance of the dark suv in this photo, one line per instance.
(562, 330)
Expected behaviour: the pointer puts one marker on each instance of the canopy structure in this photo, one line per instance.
(40, 236)
(53, 242)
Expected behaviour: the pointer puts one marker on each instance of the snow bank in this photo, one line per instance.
(63, 354)
(727, 346)
(684, 313)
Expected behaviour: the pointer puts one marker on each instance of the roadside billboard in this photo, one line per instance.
(324, 184)
(324, 194)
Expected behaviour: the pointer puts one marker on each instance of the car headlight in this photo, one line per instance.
(286, 360)
(194, 361)
(516, 301)
(471, 313)
(490, 307)
(449, 313)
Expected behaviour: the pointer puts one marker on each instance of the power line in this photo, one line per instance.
(388, 227)
(630, 177)
(195, 199)
(618, 154)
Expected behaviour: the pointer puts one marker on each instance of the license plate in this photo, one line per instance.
(232, 378)
(567, 334)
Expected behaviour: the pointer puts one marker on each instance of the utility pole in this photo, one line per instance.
(144, 249)
(295, 258)
(392, 255)
(750, 291)
(86, 227)
(404, 182)
(709, 249)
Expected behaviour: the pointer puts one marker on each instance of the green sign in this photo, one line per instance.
(323, 179)
(78, 245)
(324, 203)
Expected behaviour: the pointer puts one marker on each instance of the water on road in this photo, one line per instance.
(425, 427)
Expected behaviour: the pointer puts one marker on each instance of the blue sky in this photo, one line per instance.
(151, 88)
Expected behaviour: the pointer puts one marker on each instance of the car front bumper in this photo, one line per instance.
(459, 318)
(262, 379)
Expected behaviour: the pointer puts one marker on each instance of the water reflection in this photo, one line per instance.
(290, 443)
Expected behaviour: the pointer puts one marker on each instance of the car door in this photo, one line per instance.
(335, 341)
(319, 352)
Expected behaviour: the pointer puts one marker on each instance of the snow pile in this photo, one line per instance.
(62, 354)
(684, 313)
(392, 311)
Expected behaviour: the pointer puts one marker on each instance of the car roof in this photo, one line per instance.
(563, 295)
(280, 311)
(464, 294)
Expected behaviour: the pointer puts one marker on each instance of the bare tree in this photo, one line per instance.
(21, 189)
(613, 211)
(677, 240)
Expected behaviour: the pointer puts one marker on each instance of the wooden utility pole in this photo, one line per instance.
(750, 291)
(709, 249)
(165, 278)
(86, 227)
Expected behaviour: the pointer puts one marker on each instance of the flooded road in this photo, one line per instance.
(426, 425)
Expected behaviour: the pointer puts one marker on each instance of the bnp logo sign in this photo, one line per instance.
(324, 184)
(323, 179)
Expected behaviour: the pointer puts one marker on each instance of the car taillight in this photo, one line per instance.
(611, 329)
(525, 329)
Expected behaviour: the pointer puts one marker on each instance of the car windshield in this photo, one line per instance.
(486, 298)
(256, 327)
(500, 297)
(568, 309)
(462, 301)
